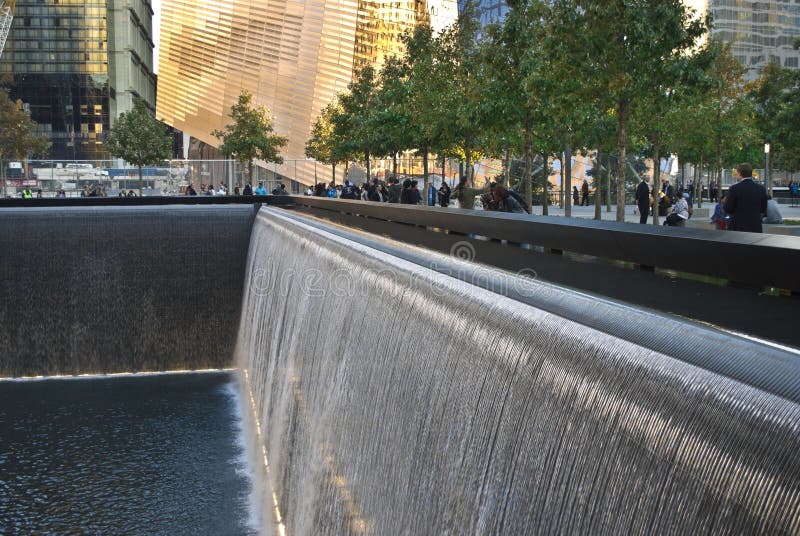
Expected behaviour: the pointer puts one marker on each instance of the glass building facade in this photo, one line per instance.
(759, 31)
(293, 56)
(78, 64)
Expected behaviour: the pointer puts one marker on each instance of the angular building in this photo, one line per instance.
(78, 64)
(759, 31)
(292, 55)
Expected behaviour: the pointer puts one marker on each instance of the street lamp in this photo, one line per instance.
(768, 178)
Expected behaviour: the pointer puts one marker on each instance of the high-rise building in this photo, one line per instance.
(78, 64)
(292, 55)
(758, 31)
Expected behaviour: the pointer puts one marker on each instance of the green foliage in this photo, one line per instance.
(322, 144)
(139, 138)
(18, 138)
(251, 135)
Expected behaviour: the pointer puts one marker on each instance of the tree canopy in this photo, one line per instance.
(251, 135)
(139, 138)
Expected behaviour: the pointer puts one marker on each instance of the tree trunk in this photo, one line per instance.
(3, 176)
(369, 171)
(622, 147)
(528, 179)
(425, 173)
(566, 186)
(333, 169)
(598, 174)
(140, 181)
(608, 183)
(250, 171)
(545, 200)
(700, 175)
(507, 167)
(468, 154)
(656, 181)
(394, 165)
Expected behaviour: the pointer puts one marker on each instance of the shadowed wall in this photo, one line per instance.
(120, 289)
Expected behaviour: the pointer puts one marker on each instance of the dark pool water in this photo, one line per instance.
(155, 454)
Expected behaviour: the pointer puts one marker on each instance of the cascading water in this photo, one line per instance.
(395, 400)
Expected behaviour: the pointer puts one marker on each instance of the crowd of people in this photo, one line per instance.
(248, 190)
(745, 207)
(493, 196)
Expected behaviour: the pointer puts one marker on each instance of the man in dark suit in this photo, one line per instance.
(643, 199)
(746, 201)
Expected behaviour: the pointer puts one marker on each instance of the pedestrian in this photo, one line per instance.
(61, 194)
(349, 191)
(248, 189)
(122, 193)
(464, 194)
(746, 201)
(643, 199)
(719, 218)
(585, 193)
(576, 195)
(280, 189)
(794, 190)
(395, 190)
(190, 189)
(415, 195)
(407, 196)
(374, 192)
(331, 192)
(444, 194)
(773, 216)
(713, 191)
(236, 191)
(131, 193)
(680, 212)
(666, 197)
(260, 190)
(222, 190)
(320, 190)
(505, 202)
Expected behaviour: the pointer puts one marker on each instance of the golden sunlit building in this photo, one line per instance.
(293, 56)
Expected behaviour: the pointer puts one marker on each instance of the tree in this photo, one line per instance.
(322, 145)
(250, 136)
(18, 137)
(354, 126)
(630, 39)
(463, 99)
(389, 120)
(139, 139)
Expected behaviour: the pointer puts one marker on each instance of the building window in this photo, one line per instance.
(790, 62)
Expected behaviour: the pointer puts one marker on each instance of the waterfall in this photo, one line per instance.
(392, 399)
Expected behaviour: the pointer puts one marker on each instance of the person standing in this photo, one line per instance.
(444, 194)
(585, 193)
(576, 195)
(643, 200)
(746, 201)
(464, 194)
(794, 190)
(260, 190)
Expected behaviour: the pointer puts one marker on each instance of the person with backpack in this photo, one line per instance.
(349, 191)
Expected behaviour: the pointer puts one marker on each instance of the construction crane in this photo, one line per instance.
(6, 16)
